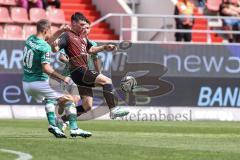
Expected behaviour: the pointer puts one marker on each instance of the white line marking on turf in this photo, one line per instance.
(21, 155)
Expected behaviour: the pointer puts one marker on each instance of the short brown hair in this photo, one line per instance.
(78, 16)
(42, 25)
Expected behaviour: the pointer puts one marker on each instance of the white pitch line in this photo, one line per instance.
(21, 155)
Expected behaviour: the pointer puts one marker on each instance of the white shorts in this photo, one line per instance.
(40, 90)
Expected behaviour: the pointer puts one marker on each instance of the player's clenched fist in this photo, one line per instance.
(110, 47)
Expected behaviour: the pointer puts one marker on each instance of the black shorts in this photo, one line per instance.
(85, 80)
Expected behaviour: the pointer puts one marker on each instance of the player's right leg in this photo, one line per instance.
(84, 84)
(108, 94)
(87, 99)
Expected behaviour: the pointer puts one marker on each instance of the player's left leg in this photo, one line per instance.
(51, 117)
(108, 94)
(86, 94)
(85, 81)
(71, 114)
(87, 103)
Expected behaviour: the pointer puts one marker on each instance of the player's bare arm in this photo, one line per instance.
(47, 68)
(62, 29)
(106, 47)
(53, 41)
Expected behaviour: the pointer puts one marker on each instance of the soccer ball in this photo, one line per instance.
(128, 83)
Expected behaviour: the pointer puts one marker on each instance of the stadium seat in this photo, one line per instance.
(29, 30)
(213, 5)
(2, 2)
(56, 16)
(36, 14)
(4, 15)
(19, 15)
(10, 2)
(13, 32)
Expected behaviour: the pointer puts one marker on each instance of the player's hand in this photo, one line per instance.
(68, 80)
(110, 47)
(68, 85)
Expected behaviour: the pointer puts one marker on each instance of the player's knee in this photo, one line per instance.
(49, 105)
(62, 100)
(67, 102)
(102, 80)
(107, 81)
(87, 106)
(70, 108)
(68, 98)
(76, 99)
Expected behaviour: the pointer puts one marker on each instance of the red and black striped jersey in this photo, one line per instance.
(76, 47)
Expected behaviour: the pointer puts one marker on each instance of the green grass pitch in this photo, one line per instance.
(122, 140)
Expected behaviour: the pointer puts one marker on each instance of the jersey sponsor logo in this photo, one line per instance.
(47, 56)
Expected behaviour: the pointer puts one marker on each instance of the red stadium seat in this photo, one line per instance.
(10, 2)
(4, 15)
(56, 16)
(13, 32)
(19, 15)
(36, 14)
(213, 5)
(1, 32)
(2, 2)
(29, 30)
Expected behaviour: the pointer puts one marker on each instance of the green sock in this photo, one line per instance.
(51, 118)
(73, 121)
(50, 111)
(71, 111)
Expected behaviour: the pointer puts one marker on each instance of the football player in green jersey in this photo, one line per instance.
(37, 69)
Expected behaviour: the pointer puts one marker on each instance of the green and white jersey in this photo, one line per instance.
(92, 57)
(36, 52)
